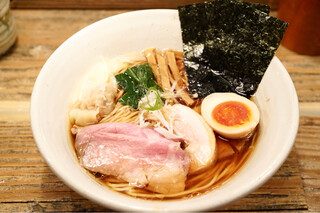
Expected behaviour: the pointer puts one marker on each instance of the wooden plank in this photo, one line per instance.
(54, 206)
(310, 109)
(305, 73)
(92, 4)
(20, 112)
(308, 153)
(111, 4)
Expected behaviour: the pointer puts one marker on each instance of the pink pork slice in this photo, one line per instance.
(140, 156)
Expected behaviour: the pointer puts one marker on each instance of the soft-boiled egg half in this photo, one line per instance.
(230, 115)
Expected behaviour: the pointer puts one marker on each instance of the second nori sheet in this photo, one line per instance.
(228, 45)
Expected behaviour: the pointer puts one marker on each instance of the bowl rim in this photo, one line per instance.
(109, 204)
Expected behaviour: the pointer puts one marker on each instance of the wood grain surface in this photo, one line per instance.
(28, 185)
(112, 4)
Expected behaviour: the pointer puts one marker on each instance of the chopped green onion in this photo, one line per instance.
(158, 103)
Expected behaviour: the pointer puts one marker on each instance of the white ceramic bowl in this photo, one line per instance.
(132, 32)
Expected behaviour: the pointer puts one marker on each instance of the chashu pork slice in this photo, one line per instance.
(197, 134)
(140, 156)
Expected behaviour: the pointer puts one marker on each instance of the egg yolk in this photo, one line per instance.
(231, 113)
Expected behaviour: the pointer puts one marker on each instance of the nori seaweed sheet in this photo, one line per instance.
(228, 45)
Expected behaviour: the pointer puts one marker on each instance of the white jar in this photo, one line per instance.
(8, 33)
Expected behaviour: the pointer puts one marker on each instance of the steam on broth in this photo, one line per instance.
(223, 161)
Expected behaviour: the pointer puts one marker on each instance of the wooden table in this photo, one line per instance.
(26, 182)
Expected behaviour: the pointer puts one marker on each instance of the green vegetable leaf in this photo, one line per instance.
(131, 99)
(136, 81)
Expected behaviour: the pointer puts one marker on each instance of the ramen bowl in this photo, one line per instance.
(132, 32)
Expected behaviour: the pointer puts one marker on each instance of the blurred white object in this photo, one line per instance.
(8, 33)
